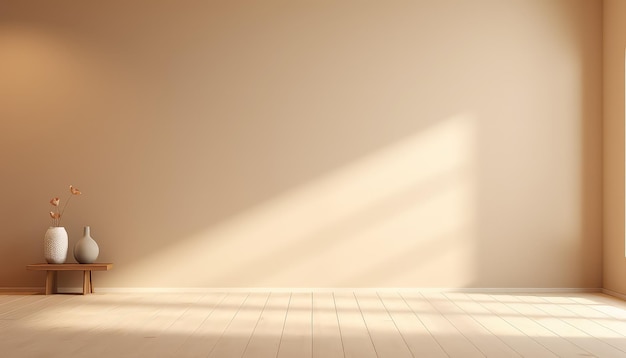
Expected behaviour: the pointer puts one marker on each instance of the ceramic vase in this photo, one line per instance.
(86, 249)
(55, 245)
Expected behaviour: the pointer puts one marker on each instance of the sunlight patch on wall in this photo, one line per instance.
(401, 216)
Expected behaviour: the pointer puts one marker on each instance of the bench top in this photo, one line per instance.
(71, 267)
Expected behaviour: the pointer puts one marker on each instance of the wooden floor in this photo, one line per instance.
(319, 324)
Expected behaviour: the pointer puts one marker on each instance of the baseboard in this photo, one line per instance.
(515, 290)
(510, 290)
(614, 294)
(21, 290)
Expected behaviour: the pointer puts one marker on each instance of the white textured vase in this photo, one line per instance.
(86, 249)
(55, 245)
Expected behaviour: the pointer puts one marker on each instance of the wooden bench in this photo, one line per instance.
(52, 269)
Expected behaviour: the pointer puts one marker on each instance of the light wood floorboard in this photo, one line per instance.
(203, 340)
(385, 335)
(511, 335)
(326, 334)
(236, 337)
(561, 322)
(416, 335)
(359, 324)
(296, 339)
(486, 343)
(356, 339)
(559, 346)
(265, 339)
(454, 343)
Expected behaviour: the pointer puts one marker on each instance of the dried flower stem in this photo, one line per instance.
(63, 210)
(56, 217)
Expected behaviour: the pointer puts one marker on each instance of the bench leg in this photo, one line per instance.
(51, 282)
(86, 282)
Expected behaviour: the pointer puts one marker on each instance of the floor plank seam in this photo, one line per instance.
(369, 332)
(282, 334)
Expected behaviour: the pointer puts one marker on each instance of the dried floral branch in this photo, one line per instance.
(57, 215)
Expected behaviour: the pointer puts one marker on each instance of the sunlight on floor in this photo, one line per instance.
(429, 313)
(237, 322)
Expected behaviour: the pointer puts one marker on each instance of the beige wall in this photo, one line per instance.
(614, 45)
(309, 143)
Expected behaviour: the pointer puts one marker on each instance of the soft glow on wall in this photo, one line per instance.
(33, 62)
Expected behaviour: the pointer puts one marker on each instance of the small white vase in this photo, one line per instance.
(55, 245)
(86, 249)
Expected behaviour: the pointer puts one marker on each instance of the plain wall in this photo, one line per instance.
(306, 143)
(614, 46)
